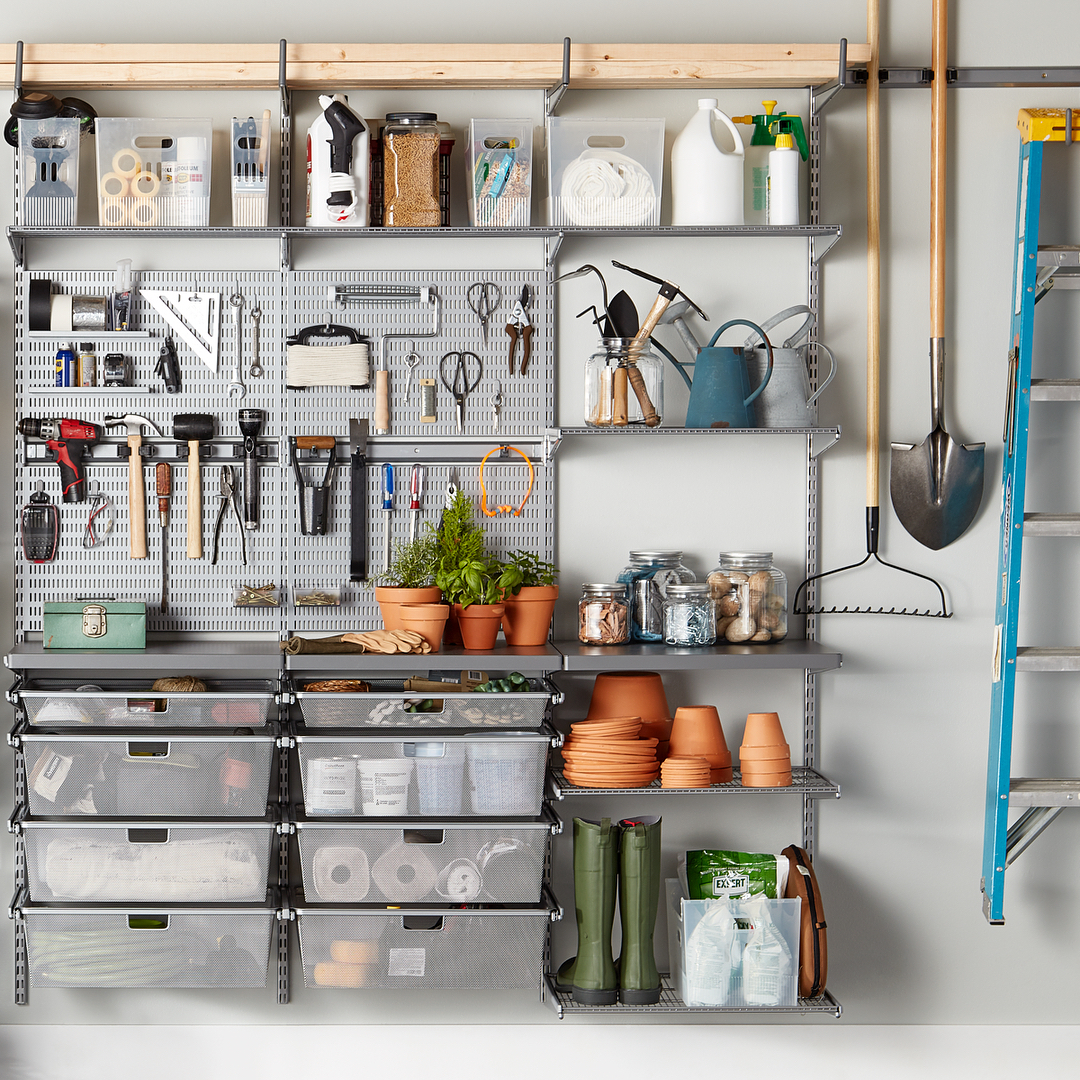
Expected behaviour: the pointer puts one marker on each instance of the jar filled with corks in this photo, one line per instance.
(411, 170)
(750, 595)
(603, 615)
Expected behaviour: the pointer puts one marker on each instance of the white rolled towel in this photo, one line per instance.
(404, 873)
(604, 187)
(340, 874)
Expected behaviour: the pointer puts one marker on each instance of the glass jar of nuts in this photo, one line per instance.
(411, 170)
(750, 596)
(603, 615)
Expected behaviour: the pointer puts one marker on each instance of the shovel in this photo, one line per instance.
(937, 487)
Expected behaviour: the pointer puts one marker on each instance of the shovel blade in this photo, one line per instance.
(937, 487)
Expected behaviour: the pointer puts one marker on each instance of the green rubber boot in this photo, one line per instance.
(639, 897)
(591, 974)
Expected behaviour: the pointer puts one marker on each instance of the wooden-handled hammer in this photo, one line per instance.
(193, 428)
(136, 483)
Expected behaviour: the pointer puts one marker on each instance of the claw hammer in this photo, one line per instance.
(136, 482)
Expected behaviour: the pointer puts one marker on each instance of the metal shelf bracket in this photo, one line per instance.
(553, 96)
(826, 94)
(820, 246)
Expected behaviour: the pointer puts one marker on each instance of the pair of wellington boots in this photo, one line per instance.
(628, 853)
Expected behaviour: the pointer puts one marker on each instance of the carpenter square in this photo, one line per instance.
(194, 316)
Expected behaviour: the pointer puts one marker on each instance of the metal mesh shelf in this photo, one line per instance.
(562, 1002)
(804, 781)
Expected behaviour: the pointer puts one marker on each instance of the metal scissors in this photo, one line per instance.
(462, 385)
(228, 494)
(484, 297)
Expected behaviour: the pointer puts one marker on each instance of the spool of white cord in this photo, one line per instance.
(604, 187)
(327, 365)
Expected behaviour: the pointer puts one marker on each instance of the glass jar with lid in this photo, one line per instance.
(750, 596)
(411, 170)
(647, 578)
(610, 398)
(689, 615)
(603, 614)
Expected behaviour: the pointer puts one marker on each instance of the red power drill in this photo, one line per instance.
(69, 440)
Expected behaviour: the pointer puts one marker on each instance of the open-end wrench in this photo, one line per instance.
(255, 371)
(237, 387)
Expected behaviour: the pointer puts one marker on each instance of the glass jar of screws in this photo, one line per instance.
(689, 615)
(257, 596)
(750, 596)
(603, 615)
(411, 170)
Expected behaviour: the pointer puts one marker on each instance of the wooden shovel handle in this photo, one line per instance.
(937, 170)
(873, 260)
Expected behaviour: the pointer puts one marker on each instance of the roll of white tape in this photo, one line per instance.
(60, 313)
(126, 163)
(113, 185)
(144, 212)
(114, 211)
(145, 184)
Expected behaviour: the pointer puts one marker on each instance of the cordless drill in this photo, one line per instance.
(69, 440)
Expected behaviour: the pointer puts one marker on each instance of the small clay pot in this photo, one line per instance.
(479, 625)
(527, 618)
(428, 620)
(632, 693)
(762, 755)
(696, 732)
(391, 597)
(763, 729)
(766, 779)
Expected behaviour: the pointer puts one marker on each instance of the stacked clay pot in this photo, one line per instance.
(764, 757)
(634, 693)
(685, 772)
(609, 753)
(696, 732)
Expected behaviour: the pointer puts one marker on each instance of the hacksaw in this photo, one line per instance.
(195, 317)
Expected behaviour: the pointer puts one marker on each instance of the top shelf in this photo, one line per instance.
(313, 66)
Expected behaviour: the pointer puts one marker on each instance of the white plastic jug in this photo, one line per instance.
(706, 180)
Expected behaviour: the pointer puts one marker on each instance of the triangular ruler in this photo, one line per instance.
(195, 317)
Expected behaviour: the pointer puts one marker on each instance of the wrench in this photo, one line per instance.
(236, 387)
(255, 371)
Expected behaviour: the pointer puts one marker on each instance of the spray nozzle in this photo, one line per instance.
(765, 128)
(345, 125)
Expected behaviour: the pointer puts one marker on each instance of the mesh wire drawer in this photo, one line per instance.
(168, 862)
(59, 703)
(136, 775)
(113, 947)
(433, 948)
(463, 775)
(386, 705)
(351, 863)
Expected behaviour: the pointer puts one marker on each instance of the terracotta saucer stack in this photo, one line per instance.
(609, 753)
(683, 772)
(634, 693)
(764, 757)
(696, 732)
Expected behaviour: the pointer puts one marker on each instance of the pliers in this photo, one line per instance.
(520, 327)
(228, 494)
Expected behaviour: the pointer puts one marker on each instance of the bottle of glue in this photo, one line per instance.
(783, 176)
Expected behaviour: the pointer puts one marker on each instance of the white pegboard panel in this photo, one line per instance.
(528, 403)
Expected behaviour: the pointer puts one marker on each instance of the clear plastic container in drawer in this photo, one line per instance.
(429, 948)
(49, 171)
(153, 172)
(389, 705)
(142, 775)
(147, 947)
(65, 703)
(405, 864)
(392, 776)
(167, 862)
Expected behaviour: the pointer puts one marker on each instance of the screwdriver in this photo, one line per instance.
(388, 506)
(164, 490)
(416, 490)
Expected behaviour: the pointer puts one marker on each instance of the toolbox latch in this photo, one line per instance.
(94, 624)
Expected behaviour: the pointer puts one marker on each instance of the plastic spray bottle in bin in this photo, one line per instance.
(235, 773)
(760, 146)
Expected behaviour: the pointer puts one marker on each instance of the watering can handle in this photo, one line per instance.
(768, 345)
(782, 316)
(828, 379)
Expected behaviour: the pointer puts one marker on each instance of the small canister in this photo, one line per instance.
(411, 170)
(647, 578)
(689, 615)
(750, 596)
(603, 615)
(87, 364)
(65, 362)
(331, 786)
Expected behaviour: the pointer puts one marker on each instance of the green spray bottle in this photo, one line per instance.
(756, 186)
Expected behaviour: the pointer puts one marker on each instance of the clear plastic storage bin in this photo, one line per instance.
(147, 947)
(153, 172)
(49, 171)
(250, 176)
(429, 948)
(170, 862)
(604, 172)
(142, 775)
(402, 864)
(498, 173)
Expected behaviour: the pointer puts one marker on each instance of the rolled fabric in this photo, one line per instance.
(404, 874)
(341, 874)
(459, 881)
(604, 187)
(327, 645)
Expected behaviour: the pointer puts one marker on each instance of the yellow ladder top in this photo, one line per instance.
(1046, 125)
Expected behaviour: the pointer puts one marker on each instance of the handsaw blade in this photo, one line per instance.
(194, 316)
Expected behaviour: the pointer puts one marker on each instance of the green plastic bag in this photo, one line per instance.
(714, 874)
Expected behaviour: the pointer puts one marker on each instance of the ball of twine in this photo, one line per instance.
(179, 684)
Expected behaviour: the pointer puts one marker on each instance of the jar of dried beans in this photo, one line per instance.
(750, 596)
(411, 170)
(603, 615)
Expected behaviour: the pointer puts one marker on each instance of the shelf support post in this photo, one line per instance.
(553, 96)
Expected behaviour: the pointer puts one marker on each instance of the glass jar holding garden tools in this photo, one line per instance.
(689, 615)
(647, 578)
(750, 597)
(603, 615)
(411, 170)
(610, 398)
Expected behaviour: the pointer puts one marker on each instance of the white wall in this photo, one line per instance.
(904, 724)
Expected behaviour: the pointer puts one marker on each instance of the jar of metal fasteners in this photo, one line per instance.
(603, 615)
(610, 397)
(647, 578)
(750, 597)
(689, 615)
(411, 170)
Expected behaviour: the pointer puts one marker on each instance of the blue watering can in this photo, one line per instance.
(720, 394)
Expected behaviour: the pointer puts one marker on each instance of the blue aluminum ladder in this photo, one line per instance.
(1036, 270)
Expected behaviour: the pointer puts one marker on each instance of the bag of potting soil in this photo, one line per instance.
(711, 874)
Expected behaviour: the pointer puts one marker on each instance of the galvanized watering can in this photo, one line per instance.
(787, 401)
(720, 394)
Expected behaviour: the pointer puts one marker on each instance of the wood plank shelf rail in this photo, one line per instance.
(312, 66)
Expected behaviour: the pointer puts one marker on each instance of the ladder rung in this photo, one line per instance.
(1052, 524)
(1038, 792)
(1047, 658)
(1055, 389)
(1058, 255)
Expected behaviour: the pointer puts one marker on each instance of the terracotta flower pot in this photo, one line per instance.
(428, 620)
(479, 625)
(391, 597)
(696, 732)
(763, 729)
(632, 693)
(764, 756)
(766, 779)
(527, 618)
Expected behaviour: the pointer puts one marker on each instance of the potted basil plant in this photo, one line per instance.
(529, 598)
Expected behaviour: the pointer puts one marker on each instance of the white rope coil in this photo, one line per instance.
(327, 365)
(604, 187)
